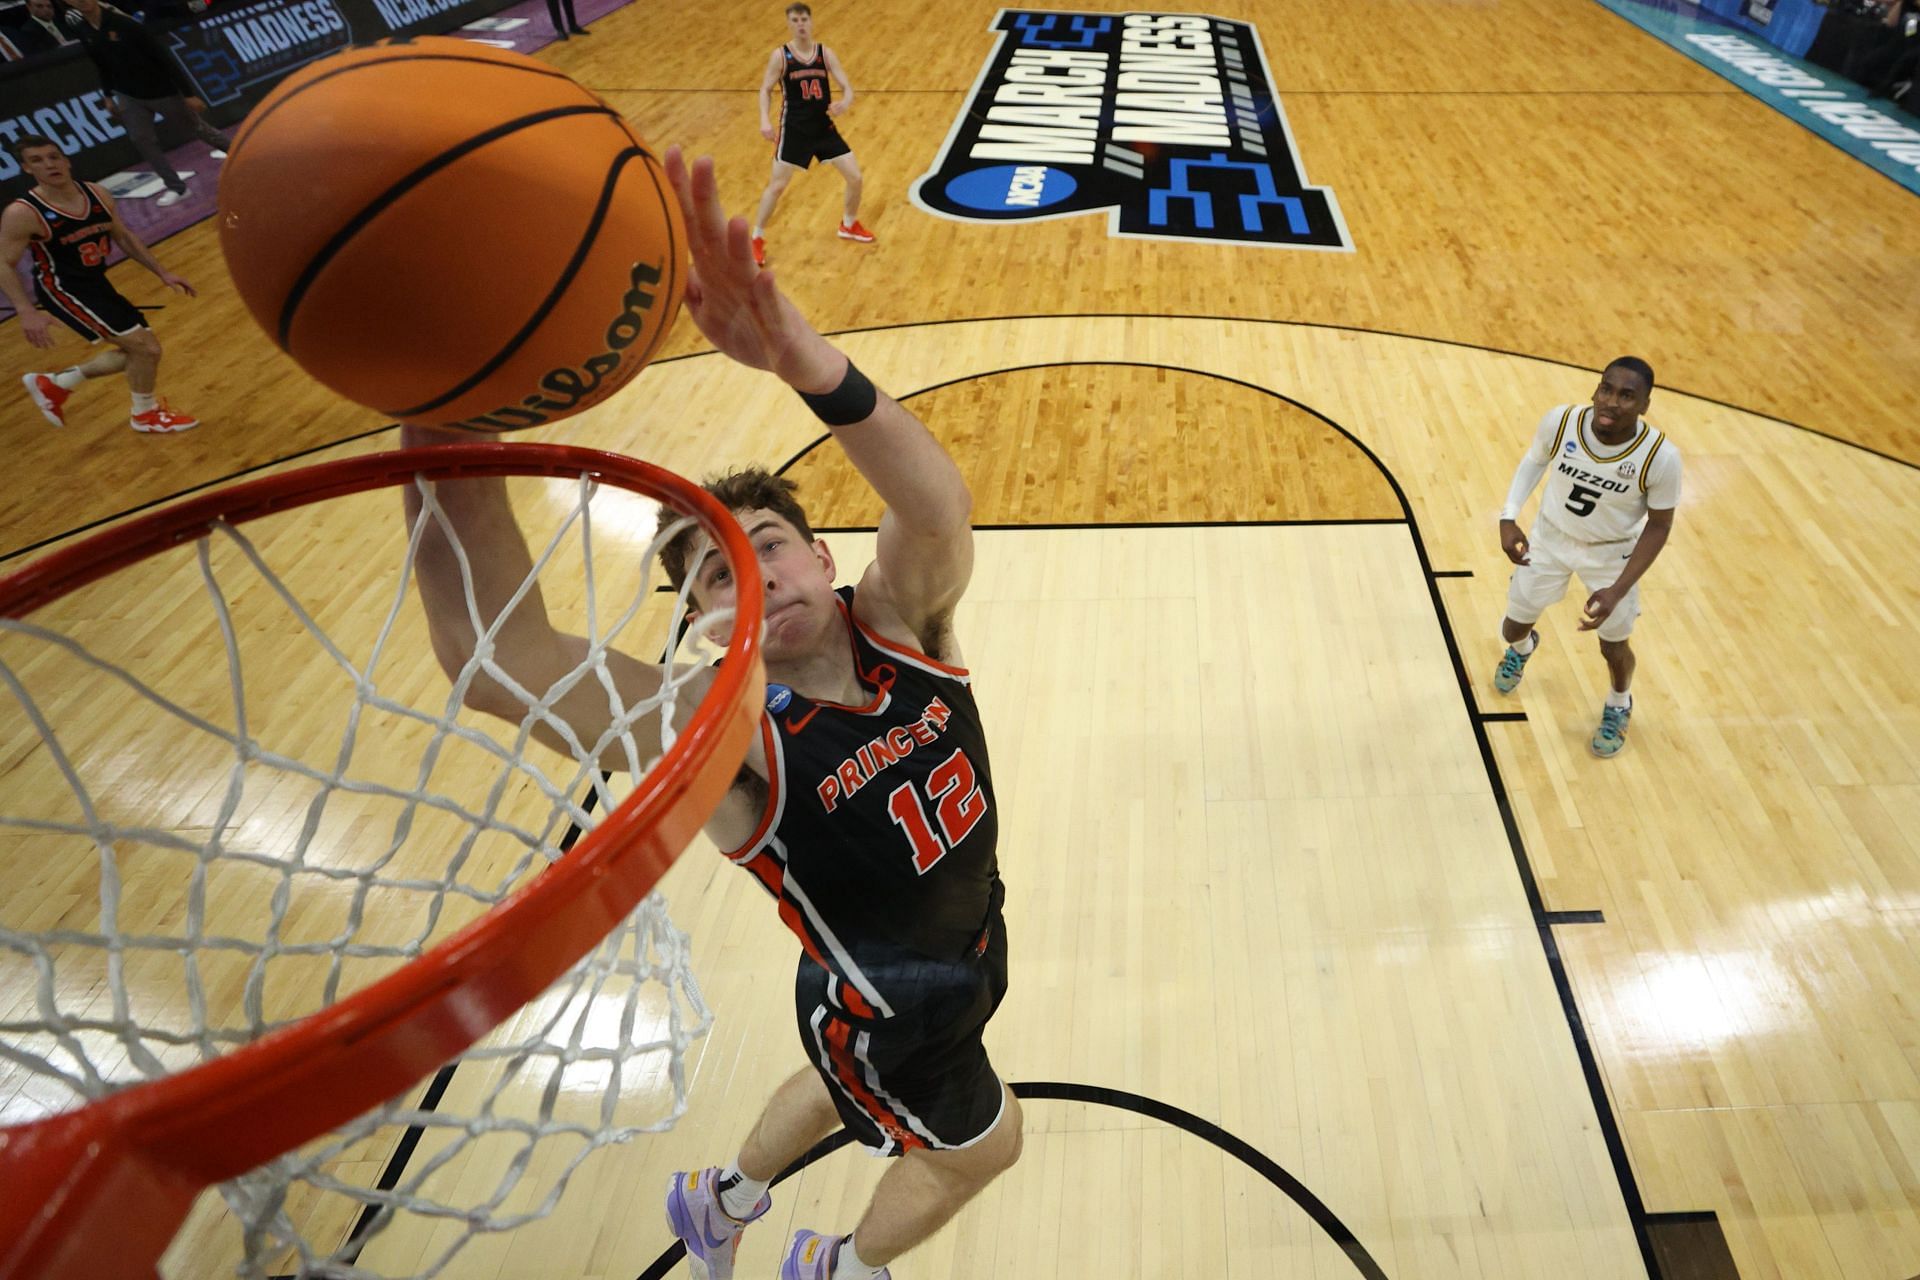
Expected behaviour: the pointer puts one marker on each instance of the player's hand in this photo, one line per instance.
(767, 132)
(38, 326)
(178, 284)
(1600, 605)
(1513, 542)
(736, 304)
(194, 105)
(837, 107)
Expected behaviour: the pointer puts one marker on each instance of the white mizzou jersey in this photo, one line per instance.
(1597, 493)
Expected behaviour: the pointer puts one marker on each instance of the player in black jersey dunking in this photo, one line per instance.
(805, 131)
(70, 228)
(866, 806)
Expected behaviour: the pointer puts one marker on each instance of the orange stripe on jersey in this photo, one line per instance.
(879, 641)
(790, 916)
(856, 1003)
(68, 303)
(767, 870)
(848, 1073)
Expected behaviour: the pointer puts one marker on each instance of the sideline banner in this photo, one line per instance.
(233, 54)
(1879, 134)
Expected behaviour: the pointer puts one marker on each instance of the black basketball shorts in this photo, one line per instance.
(800, 145)
(93, 309)
(919, 1079)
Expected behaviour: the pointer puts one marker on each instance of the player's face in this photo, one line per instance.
(46, 165)
(1619, 400)
(801, 25)
(796, 575)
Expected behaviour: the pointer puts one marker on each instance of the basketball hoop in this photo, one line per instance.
(98, 1190)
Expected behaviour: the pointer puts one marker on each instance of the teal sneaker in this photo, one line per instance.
(1513, 665)
(1612, 733)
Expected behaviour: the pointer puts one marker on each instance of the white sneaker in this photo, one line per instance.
(170, 198)
(218, 154)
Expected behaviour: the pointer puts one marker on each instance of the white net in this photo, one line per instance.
(235, 786)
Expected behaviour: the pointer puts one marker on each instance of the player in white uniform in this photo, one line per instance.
(1613, 480)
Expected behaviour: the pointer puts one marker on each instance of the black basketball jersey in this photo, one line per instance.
(880, 827)
(77, 247)
(807, 90)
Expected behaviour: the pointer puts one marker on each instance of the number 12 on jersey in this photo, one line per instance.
(955, 794)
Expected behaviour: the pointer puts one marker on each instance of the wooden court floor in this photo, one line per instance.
(1279, 857)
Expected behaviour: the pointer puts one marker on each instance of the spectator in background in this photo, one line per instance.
(144, 84)
(1889, 59)
(34, 30)
(565, 23)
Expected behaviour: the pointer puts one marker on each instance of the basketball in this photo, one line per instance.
(452, 235)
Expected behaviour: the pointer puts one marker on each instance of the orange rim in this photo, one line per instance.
(107, 1185)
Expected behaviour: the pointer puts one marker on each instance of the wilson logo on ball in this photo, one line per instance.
(568, 389)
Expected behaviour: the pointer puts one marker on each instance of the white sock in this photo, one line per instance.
(739, 1193)
(1525, 644)
(849, 1266)
(68, 379)
(1615, 698)
(145, 402)
(756, 233)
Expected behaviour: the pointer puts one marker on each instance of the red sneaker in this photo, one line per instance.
(759, 251)
(163, 421)
(49, 395)
(854, 231)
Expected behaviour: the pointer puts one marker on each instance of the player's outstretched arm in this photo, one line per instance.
(17, 225)
(925, 555)
(137, 249)
(527, 648)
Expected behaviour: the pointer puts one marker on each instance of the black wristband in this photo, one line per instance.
(854, 400)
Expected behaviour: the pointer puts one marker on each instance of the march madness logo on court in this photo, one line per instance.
(1166, 120)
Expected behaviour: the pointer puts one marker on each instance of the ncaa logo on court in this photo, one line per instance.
(1010, 186)
(1166, 122)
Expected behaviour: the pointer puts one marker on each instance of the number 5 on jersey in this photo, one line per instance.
(955, 794)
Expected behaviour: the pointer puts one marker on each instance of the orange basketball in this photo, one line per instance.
(452, 234)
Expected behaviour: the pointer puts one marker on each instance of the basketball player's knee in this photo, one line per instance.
(1615, 650)
(141, 342)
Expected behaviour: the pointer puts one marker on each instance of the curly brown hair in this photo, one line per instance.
(748, 489)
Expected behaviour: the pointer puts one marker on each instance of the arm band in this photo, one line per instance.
(854, 400)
